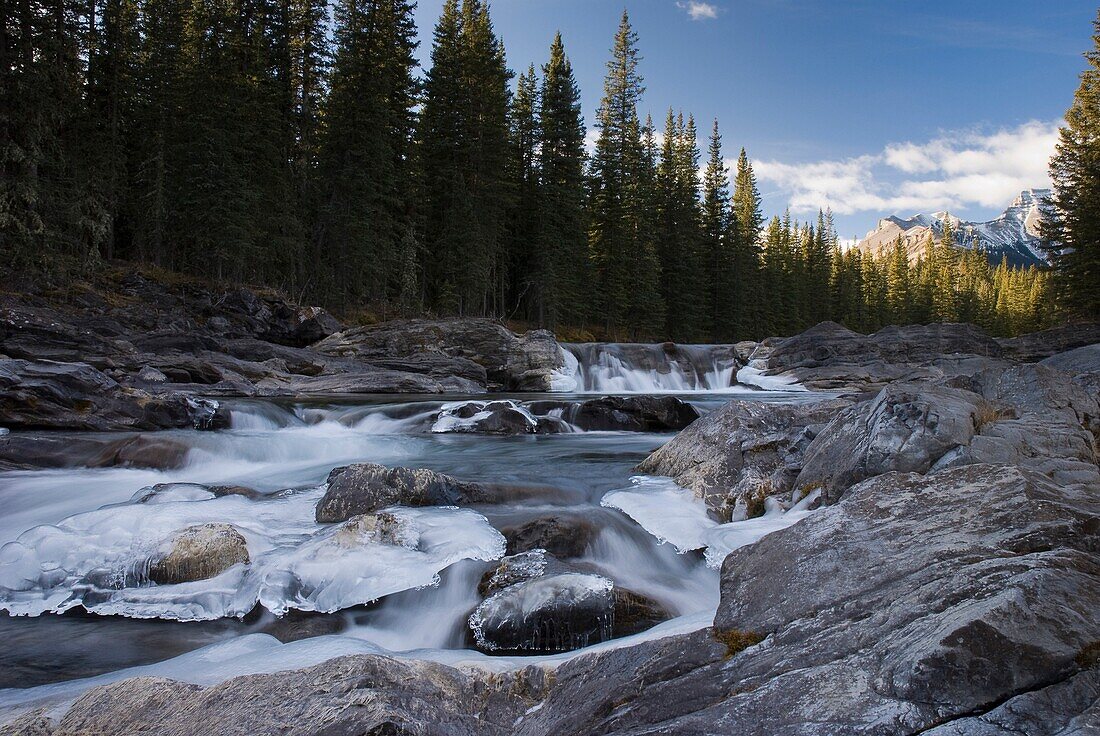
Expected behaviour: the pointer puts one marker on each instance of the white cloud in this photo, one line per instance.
(951, 172)
(699, 10)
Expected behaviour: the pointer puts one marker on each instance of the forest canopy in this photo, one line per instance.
(298, 145)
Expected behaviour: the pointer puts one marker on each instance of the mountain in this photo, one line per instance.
(1013, 234)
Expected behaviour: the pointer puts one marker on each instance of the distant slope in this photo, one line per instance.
(1013, 234)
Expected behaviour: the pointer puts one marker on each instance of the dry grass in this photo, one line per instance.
(737, 641)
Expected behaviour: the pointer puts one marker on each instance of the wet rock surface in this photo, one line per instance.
(562, 535)
(535, 603)
(366, 488)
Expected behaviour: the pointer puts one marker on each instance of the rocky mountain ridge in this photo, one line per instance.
(1014, 234)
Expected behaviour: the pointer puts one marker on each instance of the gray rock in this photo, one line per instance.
(363, 381)
(829, 356)
(348, 696)
(511, 362)
(632, 414)
(1081, 360)
(197, 553)
(916, 601)
(563, 535)
(149, 374)
(1068, 707)
(907, 427)
(47, 395)
(365, 488)
(535, 603)
(142, 451)
(489, 417)
(1037, 346)
(982, 586)
(741, 451)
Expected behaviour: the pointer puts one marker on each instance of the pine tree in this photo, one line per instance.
(526, 265)
(746, 223)
(463, 156)
(623, 252)
(562, 292)
(364, 218)
(112, 93)
(898, 283)
(678, 237)
(1074, 228)
(717, 248)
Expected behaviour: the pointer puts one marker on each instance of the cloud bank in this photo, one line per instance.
(956, 170)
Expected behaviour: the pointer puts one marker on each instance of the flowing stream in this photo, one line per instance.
(76, 523)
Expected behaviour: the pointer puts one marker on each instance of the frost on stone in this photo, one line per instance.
(553, 613)
(674, 515)
(474, 416)
(102, 560)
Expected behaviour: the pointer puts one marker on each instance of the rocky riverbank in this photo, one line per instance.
(141, 353)
(947, 582)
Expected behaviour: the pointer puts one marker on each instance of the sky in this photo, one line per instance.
(870, 107)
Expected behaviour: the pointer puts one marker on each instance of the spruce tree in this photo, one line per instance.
(562, 292)
(623, 252)
(525, 262)
(364, 218)
(678, 237)
(462, 157)
(747, 221)
(112, 93)
(717, 246)
(1073, 231)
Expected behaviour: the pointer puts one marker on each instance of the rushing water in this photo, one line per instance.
(285, 450)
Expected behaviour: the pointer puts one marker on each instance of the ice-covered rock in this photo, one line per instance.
(675, 515)
(197, 553)
(487, 417)
(101, 560)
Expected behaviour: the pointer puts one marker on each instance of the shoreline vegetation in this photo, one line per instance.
(252, 142)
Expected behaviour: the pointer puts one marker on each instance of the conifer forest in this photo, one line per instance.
(296, 145)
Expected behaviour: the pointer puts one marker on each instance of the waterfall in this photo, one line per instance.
(646, 368)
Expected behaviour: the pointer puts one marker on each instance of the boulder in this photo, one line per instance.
(1075, 362)
(197, 553)
(744, 450)
(830, 357)
(511, 362)
(632, 414)
(535, 603)
(381, 528)
(563, 536)
(362, 381)
(48, 395)
(489, 417)
(149, 374)
(142, 451)
(917, 602)
(367, 695)
(365, 488)
(907, 427)
(299, 326)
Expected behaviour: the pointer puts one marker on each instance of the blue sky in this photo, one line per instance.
(872, 107)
